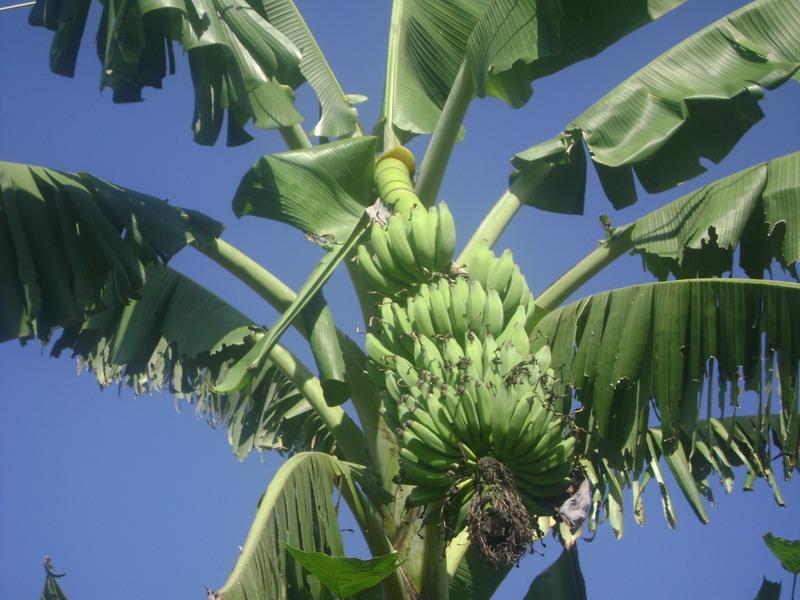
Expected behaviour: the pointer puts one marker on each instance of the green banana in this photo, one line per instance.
(419, 312)
(439, 313)
(376, 279)
(423, 236)
(493, 319)
(382, 250)
(418, 473)
(459, 296)
(500, 273)
(379, 353)
(479, 262)
(445, 239)
(397, 231)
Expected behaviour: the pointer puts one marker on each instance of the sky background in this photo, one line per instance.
(134, 499)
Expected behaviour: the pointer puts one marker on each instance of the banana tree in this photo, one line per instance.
(478, 416)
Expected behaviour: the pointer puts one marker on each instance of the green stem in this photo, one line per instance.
(794, 585)
(444, 138)
(562, 288)
(295, 137)
(251, 273)
(390, 139)
(280, 296)
(348, 436)
(435, 583)
(500, 215)
(493, 224)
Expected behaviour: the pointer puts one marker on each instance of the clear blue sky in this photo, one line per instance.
(135, 500)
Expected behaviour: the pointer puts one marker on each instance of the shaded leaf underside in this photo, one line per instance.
(786, 551)
(240, 64)
(694, 101)
(83, 255)
(505, 43)
(67, 239)
(426, 51)
(562, 579)
(661, 337)
(757, 209)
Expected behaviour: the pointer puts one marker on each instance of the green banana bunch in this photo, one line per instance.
(408, 250)
(452, 405)
(470, 406)
(501, 274)
(451, 308)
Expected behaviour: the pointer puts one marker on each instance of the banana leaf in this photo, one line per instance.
(427, 44)
(154, 343)
(516, 42)
(694, 101)
(240, 64)
(562, 580)
(69, 240)
(474, 579)
(339, 117)
(505, 43)
(297, 509)
(322, 191)
(756, 210)
(711, 449)
(618, 350)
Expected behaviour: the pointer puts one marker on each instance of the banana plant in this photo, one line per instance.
(483, 411)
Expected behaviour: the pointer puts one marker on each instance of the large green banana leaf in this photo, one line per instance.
(66, 240)
(507, 44)
(339, 117)
(713, 447)
(694, 101)
(322, 190)
(475, 579)
(154, 342)
(756, 210)
(427, 45)
(515, 42)
(297, 509)
(239, 62)
(82, 254)
(620, 350)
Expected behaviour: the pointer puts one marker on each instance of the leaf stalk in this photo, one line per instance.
(562, 288)
(444, 137)
(348, 436)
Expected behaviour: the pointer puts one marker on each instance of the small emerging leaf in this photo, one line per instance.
(786, 551)
(342, 575)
